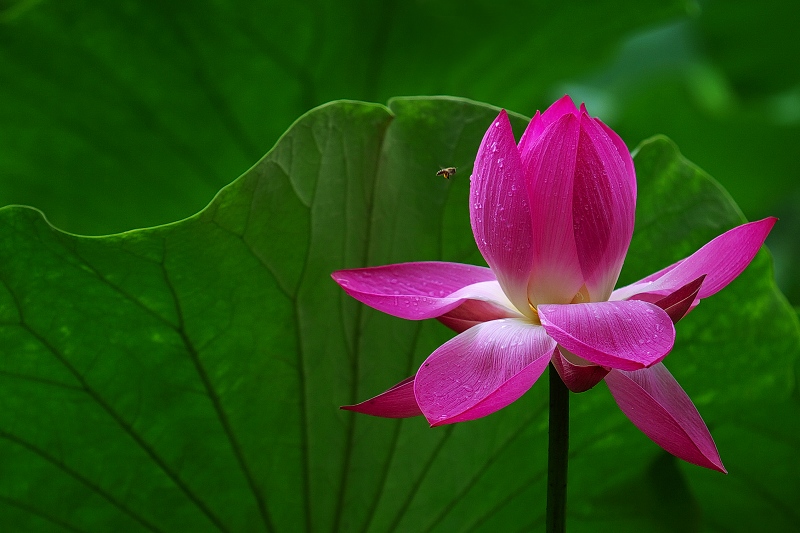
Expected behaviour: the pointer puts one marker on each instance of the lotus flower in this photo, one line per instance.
(553, 218)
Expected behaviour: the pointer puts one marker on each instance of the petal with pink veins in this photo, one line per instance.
(721, 260)
(625, 335)
(499, 210)
(659, 407)
(540, 121)
(397, 402)
(603, 206)
(578, 376)
(482, 370)
(555, 275)
(624, 154)
(419, 290)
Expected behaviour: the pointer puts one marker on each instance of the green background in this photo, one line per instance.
(148, 378)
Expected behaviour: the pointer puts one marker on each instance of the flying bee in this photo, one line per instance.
(446, 172)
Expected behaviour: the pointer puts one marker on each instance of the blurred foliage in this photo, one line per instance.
(187, 377)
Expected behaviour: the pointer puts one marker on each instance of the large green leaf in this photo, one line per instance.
(187, 377)
(115, 115)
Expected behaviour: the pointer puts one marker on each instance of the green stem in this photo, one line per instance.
(557, 454)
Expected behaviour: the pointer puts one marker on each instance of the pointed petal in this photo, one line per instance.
(658, 406)
(499, 210)
(680, 302)
(721, 260)
(556, 275)
(397, 402)
(577, 377)
(603, 208)
(482, 370)
(539, 123)
(419, 290)
(626, 335)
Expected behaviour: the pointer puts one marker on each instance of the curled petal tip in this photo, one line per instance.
(680, 302)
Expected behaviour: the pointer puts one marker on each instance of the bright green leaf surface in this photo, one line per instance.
(188, 377)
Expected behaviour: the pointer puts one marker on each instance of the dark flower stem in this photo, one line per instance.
(558, 448)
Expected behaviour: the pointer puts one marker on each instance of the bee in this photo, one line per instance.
(446, 172)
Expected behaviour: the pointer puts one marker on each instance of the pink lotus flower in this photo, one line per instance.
(553, 218)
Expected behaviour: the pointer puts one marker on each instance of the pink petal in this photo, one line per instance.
(418, 290)
(499, 210)
(539, 123)
(721, 261)
(556, 275)
(482, 370)
(473, 312)
(680, 302)
(658, 406)
(624, 154)
(576, 376)
(603, 206)
(626, 335)
(397, 402)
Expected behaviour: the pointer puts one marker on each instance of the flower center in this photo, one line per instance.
(582, 296)
(535, 317)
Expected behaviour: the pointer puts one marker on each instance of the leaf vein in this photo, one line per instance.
(76, 475)
(217, 405)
